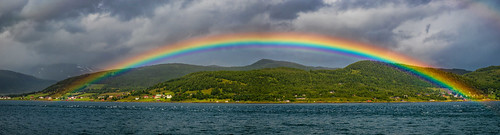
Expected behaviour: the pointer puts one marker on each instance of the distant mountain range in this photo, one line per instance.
(17, 83)
(60, 71)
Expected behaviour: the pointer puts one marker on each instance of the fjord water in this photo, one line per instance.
(26, 117)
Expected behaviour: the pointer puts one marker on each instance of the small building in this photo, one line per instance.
(146, 96)
(157, 96)
(40, 97)
(136, 98)
(169, 96)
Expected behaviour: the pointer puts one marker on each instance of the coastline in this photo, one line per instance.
(252, 102)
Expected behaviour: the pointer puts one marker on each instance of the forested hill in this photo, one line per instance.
(360, 81)
(144, 77)
(488, 79)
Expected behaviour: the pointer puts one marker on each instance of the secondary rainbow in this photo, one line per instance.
(281, 40)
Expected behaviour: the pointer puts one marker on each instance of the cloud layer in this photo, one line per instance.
(451, 34)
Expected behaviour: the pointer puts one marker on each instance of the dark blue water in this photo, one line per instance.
(25, 117)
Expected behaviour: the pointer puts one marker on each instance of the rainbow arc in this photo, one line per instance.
(283, 40)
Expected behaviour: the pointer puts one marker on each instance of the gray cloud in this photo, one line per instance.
(289, 9)
(98, 32)
(427, 28)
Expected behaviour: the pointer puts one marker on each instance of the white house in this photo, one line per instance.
(158, 96)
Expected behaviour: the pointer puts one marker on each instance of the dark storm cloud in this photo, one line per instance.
(377, 26)
(475, 47)
(9, 12)
(370, 4)
(130, 9)
(289, 9)
(99, 32)
(62, 9)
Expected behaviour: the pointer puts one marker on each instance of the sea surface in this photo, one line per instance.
(30, 117)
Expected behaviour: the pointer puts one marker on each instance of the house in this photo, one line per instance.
(40, 97)
(157, 96)
(169, 96)
(136, 98)
(146, 96)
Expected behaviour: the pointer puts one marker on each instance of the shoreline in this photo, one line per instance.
(252, 102)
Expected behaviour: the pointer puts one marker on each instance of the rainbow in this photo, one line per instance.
(281, 40)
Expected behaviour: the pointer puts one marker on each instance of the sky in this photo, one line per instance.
(444, 33)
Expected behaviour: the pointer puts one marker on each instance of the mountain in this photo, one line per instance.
(16, 83)
(488, 79)
(61, 71)
(143, 77)
(456, 71)
(267, 63)
(360, 81)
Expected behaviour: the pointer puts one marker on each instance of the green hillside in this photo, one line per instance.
(144, 77)
(266, 80)
(488, 79)
(360, 81)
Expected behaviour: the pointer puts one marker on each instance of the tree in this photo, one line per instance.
(215, 92)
